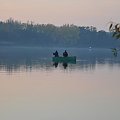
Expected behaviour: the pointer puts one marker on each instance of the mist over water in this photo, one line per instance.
(31, 87)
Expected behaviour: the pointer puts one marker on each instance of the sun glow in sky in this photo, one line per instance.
(79, 12)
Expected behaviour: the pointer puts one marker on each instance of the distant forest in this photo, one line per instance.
(15, 33)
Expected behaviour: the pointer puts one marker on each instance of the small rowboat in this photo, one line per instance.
(70, 59)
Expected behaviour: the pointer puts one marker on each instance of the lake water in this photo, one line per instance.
(32, 88)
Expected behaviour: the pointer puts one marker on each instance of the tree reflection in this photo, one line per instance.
(12, 60)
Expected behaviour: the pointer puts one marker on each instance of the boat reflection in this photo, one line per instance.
(55, 64)
(64, 64)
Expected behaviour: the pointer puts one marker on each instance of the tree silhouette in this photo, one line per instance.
(16, 33)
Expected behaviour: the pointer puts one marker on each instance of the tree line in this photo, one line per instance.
(16, 33)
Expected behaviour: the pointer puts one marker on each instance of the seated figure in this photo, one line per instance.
(56, 54)
(65, 54)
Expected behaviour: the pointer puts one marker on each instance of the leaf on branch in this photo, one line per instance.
(110, 26)
(118, 36)
(114, 34)
(116, 27)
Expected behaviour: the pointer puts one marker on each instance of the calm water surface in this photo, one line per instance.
(32, 88)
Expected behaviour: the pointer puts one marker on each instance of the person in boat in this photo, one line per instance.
(65, 54)
(56, 54)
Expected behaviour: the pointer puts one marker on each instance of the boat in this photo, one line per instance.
(70, 59)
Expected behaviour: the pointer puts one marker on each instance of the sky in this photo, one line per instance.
(96, 13)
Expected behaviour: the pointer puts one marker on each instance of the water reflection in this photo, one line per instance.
(55, 64)
(81, 91)
(28, 59)
(65, 65)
